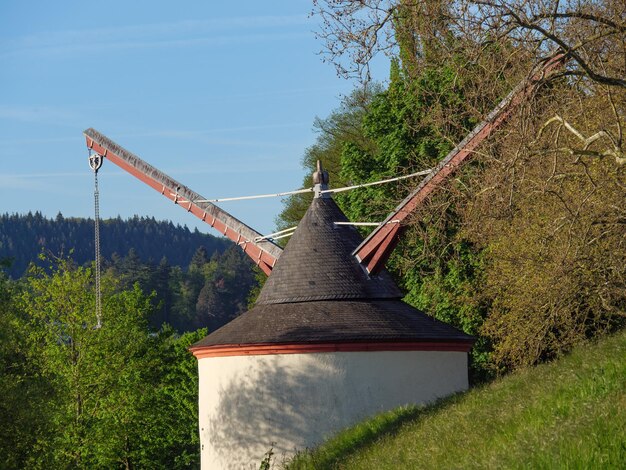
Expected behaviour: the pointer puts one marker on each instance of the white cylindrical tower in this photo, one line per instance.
(325, 346)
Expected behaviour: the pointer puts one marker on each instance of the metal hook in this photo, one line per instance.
(95, 161)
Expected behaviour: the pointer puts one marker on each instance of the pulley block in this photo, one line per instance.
(95, 161)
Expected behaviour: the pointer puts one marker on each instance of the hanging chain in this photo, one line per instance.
(95, 162)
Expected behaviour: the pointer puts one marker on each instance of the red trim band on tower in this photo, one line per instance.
(266, 349)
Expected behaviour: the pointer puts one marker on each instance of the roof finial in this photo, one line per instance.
(320, 181)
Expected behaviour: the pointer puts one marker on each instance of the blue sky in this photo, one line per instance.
(220, 95)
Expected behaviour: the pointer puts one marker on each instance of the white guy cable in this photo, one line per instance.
(366, 224)
(241, 198)
(363, 185)
(359, 224)
(308, 190)
(273, 235)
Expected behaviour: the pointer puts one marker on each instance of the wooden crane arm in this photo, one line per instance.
(376, 248)
(262, 251)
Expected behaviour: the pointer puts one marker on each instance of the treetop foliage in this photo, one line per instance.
(354, 31)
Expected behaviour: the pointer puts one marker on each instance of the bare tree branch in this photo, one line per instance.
(616, 152)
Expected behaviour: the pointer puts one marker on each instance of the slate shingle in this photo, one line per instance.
(317, 263)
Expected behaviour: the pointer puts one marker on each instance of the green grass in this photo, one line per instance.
(567, 414)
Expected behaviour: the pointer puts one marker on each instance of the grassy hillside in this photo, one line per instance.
(567, 414)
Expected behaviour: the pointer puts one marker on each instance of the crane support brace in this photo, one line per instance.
(262, 251)
(374, 251)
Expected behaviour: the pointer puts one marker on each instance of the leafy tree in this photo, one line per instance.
(543, 198)
(354, 31)
(507, 248)
(550, 212)
(98, 377)
(22, 388)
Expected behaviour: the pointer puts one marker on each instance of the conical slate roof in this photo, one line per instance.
(317, 263)
(318, 293)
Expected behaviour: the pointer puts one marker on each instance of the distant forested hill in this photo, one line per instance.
(198, 280)
(23, 237)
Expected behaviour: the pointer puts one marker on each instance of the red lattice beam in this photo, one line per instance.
(263, 252)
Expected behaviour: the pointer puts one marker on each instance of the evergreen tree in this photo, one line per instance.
(24, 237)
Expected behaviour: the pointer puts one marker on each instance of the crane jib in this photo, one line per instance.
(374, 251)
(262, 251)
